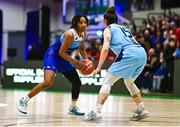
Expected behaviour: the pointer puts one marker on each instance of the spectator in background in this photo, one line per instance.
(177, 20)
(176, 32)
(141, 40)
(146, 77)
(92, 48)
(168, 51)
(158, 49)
(157, 38)
(166, 30)
(146, 39)
(159, 75)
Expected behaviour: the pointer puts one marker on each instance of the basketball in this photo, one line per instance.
(90, 67)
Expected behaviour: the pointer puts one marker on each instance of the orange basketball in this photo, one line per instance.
(90, 67)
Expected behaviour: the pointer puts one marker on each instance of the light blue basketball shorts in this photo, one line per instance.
(131, 64)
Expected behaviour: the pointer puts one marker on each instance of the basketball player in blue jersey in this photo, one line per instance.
(58, 59)
(130, 61)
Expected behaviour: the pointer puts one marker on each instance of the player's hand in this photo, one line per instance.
(80, 66)
(97, 70)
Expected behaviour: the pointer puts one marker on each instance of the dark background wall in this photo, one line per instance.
(16, 45)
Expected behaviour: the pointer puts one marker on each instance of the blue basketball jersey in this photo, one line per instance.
(131, 57)
(74, 45)
(52, 60)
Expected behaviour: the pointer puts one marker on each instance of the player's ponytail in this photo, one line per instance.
(111, 16)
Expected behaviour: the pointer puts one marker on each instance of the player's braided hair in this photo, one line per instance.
(76, 19)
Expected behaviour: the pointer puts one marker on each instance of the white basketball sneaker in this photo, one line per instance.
(22, 105)
(92, 116)
(139, 115)
(74, 110)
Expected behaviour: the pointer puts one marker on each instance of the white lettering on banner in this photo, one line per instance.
(30, 75)
(18, 71)
(27, 79)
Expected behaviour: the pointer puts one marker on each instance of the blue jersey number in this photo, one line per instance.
(126, 32)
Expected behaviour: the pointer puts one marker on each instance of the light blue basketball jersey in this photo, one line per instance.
(131, 57)
(121, 38)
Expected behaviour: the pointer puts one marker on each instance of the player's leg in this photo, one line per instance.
(140, 112)
(49, 77)
(107, 83)
(73, 77)
(105, 90)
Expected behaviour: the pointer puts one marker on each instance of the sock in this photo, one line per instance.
(98, 107)
(73, 103)
(27, 98)
(140, 106)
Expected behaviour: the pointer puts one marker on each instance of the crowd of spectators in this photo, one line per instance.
(161, 39)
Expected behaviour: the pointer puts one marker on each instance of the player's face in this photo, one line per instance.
(82, 24)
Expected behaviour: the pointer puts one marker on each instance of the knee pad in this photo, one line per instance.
(108, 81)
(132, 88)
(105, 88)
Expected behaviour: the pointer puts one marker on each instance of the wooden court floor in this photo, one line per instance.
(50, 109)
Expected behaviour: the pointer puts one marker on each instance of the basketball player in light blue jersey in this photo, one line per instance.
(130, 61)
(58, 59)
